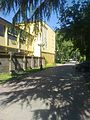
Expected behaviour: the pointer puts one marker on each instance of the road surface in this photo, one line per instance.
(58, 93)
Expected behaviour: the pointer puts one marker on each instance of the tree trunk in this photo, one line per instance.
(88, 54)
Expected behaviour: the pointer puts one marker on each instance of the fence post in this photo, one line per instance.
(32, 62)
(43, 62)
(10, 62)
(24, 63)
(38, 61)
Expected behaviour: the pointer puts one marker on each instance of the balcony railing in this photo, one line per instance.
(13, 37)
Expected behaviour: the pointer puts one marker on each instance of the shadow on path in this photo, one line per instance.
(64, 93)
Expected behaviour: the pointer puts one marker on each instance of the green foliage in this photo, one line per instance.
(76, 26)
(4, 77)
(50, 65)
(32, 9)
(64, 49)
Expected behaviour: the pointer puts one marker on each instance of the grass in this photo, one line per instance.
(50, 65)
(4, 77)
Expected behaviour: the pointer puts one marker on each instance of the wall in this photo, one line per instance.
(46, 36)
(18, 63)
(38, 32)
(49, 57)
(4, 63)
(50, 38)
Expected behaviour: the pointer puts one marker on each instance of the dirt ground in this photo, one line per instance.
(58, 93)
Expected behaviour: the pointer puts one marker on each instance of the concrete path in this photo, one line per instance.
(54, 94)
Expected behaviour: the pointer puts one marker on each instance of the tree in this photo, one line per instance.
(64, 49)
(31, 9)
(76, 26)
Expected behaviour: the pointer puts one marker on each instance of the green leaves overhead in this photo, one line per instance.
(31, 9)
(76, 25)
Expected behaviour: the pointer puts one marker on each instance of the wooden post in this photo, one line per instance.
(10, 63)
(38, 61)
(24, 63)
(43, 62)
(32, 62)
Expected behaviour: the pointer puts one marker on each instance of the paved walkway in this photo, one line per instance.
(54, 94)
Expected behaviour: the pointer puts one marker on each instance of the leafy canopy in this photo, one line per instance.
(76, 26)
(65, 49)
(31, 9)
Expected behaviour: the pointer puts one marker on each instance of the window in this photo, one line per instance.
(12, 31)
(2, 29)
(11, 37)
(44, 37)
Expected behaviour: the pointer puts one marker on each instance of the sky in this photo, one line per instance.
(52, 22)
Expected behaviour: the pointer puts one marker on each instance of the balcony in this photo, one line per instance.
(14, 38)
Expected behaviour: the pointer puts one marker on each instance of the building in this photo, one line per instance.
(44, 37)
(30, 39)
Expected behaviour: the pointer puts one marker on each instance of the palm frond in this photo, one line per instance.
(28, 9)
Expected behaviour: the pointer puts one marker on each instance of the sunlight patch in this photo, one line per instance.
(33, 78)
(87, 113)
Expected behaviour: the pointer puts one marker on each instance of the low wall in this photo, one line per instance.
(49, 57)
(10, 63)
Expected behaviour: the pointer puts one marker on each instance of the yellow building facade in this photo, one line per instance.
(44, 37)
(32, 38)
